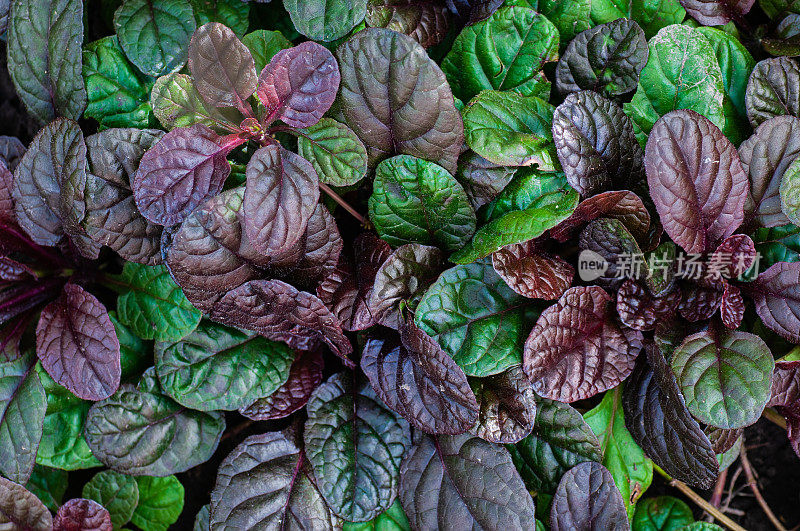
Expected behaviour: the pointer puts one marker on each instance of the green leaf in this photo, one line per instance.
(529, 188)
(651, 15)
(263, 45)
(560, 440)
(476, 318)
(216, 367)
(142, 433)
(118, 493)
(325, 20)
(569, 16)
(775, 8)
(118, 95)
(511, 130)
(134, 355)
(232, 13)
(63, 445)
(682, 72)
(631, 469)
(735, 63)
(160, 503)
(337, 154)
(49, 485)
(155, 33)
(153, 306)
(393, 519)
(44, 56)
(416, 201)
(176, 103)
(504, 52)
(354, 444)
(777, 244)
(790, 192)
(22, 409)
(663, 513)
(725, 376)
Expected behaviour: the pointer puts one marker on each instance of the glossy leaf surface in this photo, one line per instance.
(772, 90)
(507, 406)
(117, 493)
(325, 20)
(587, 497)
(80, 513)
(776, 294)
(531, 272)
(337, 154)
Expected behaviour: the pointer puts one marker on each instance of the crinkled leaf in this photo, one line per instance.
(659, 421)
(609, 239)
(80, 514)
(482, 180)
(155, 33)
(263, 45)
(337, 154)
(118, 493)
(696, 180)
(717, 12)
(325, 20)
(153, 306)
(504, 52)
(176, 103)
(699, 303)
(662, 513)
(417, 379)
(478, 320)
(587, 497)
(776, 293)
(49, 485)
(44, 57)
(463, 481)
(221, 368)
(160, 502)
(560, 440)
(19, 509)
(507, 406)
(232, 13)
(532, 272)
(305, 375)
(425, 22)
(606, 58)
(267, 481)
(732, 306)
(595, 144)
(355, 445)
(773, 90)
(511, 130)
(416, 201)
(180, 172)
(640, 310)
(397, 100)
(142, 433)
(622, 205)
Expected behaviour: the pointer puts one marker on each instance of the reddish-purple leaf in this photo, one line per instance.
(776, 293)
(532, 272)
(622, 205)
(696, 180)
(82, 515)
(640, 310)
(721, 439)
(280, 312)
(792, 415)
(6, 199)
(587, 498)
(657, 417)
(304, 376)
(507, 406)
(299, 84)
(223, 70)
(734, 256)
(321, 250)
(77, 344)
(717, 12)
(699, 303)
(785, 383)
(180, 172)
(417, 379)
(732, 306)
(19, 298)
(576, 350)
(338, 291)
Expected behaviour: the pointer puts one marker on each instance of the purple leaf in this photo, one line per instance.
(576, 350)
(717, 12)
(77, 344)
(731, 306)
(696, 180)
(640, 310)
(82, 515)
(776, 293)
(699, 303)
(182, 171)
(507, 406)
(785, 384)
(299, 85)
(587, 498)
(622, 205)
(532, 272)
(734, 256)
(6, 190)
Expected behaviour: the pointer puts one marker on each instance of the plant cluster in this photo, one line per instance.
(449, 264)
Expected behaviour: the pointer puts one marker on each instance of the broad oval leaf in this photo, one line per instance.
(717, 12)
(587, 498)
(576, 350)
(325, 20)
(155, 33)
(478, 320)
(776, 293)
(532, 272)
(263, 45)
(160, 502)
(640, 310)
(511, 130)
(78, 345)
(463, 481)
(789, 190)
(20, 509)
(299, 85)
(397, 100)
(765, 157)
(661, 512)
(233, 14)
(504, 52)
(420, 381)
(267, 481)
(83, 514)
(696, 180)
(176, 103)
(221, 368)
(657, 417)
(354, 441)
(427, 23)
(772, 90)
(481, 179)
(725, 377)
(606, 58)
(416, 201)
(117, 492)
(507, 406)
(180, 172)
(595, 144)
(142, 433)
(44, 57)
(337, 154)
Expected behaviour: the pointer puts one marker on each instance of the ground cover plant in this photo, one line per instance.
(394, 264)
